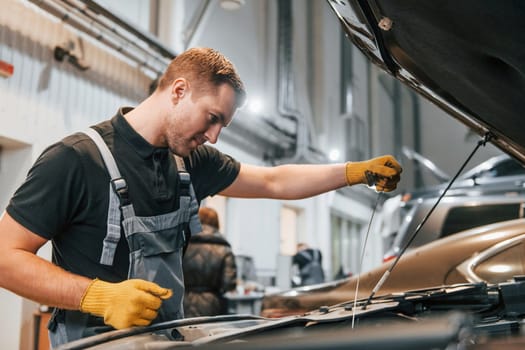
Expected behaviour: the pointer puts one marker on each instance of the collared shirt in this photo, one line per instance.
(65, 195)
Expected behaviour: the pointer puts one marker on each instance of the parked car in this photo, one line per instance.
(435, 264)
(466, 57)
(453, 214)
(498, 167)
(499, 176)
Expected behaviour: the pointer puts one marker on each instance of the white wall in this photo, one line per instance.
(43, 101)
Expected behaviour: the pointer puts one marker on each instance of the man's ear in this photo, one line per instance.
(178, 89)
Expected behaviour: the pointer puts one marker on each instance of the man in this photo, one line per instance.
(209, 269)
(119, 179)
(309, 261)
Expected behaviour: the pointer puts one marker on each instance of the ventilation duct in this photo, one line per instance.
(286, 104)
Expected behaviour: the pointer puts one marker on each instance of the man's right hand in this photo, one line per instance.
(385, 172)
(129, 303)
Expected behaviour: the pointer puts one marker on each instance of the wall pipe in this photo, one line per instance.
(285, 84)
(195, 23)
(63, 13)
(142, 35)
(92, 16)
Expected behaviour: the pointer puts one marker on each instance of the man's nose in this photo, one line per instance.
(212, 134)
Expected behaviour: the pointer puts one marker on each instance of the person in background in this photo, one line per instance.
(209, 269)
(310, 264)
(118, 199)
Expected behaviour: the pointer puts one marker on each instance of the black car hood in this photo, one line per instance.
(467, 56)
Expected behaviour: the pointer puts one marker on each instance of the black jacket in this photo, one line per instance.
(310, 263)
(209, 271)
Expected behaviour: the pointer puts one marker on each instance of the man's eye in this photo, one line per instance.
(214, 119)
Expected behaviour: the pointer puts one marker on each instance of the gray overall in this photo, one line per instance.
(156, 246)
(312, 272)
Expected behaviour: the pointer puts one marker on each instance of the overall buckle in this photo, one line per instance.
(121, 189)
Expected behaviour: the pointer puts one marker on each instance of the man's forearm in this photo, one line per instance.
(306, 180)
(37, 279)
(291, 181)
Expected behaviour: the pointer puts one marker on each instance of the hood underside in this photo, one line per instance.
(468, 57)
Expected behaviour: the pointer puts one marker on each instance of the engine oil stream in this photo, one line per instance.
(483, 142)
(363, 257)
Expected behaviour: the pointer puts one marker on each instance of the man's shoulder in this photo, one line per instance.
(205, 153)
(76, 140)
(75, 146)
(81, 142)
(73, 150)
(209, 159)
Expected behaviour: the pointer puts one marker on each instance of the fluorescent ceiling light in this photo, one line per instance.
(334, 155)
(231, 5)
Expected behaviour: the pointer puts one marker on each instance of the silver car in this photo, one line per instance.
(453, 214)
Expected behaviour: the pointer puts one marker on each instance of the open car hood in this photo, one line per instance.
(468, 57)
(435, 318)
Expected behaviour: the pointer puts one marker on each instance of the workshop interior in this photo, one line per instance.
(438, 262)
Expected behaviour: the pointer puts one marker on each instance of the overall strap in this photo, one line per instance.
(186, 189)
(118, 197)
(315, 255)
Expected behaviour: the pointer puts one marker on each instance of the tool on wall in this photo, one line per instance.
(67, 51)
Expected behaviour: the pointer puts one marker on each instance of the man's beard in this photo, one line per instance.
(178, 145)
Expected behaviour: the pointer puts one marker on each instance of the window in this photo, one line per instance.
(346, 246)
(506, 167)
(289, 222)
(463, 218)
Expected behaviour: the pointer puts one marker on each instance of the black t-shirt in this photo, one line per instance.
(65, 195)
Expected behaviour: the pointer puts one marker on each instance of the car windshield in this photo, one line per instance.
(496, 167)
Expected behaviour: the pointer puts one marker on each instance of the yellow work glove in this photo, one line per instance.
(129, 303)
(381, 172)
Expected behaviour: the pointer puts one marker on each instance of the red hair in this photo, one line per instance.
(203, 68)
(208, 216)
